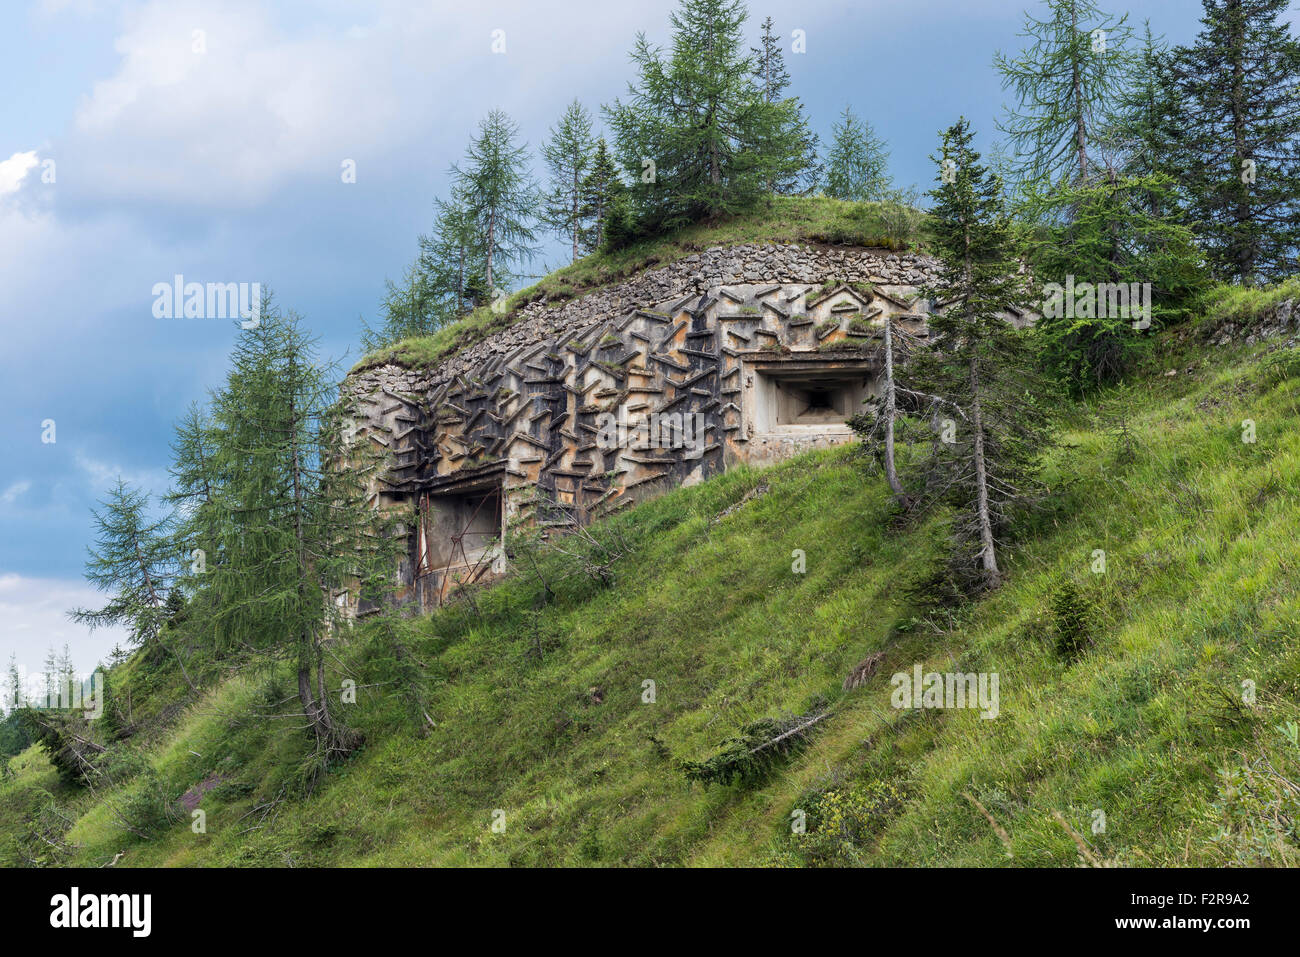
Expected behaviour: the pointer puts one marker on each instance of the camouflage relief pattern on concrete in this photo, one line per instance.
(744, 354)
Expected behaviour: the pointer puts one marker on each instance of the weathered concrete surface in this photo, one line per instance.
(743, 354)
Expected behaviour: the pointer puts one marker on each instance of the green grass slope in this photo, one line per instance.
(1138, 744)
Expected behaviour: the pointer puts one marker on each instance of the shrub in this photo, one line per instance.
(842, 821)
(1072, 614)
(900, 220)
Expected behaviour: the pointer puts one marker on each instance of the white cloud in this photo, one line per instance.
(14, 170)
(102, 476)
(272, 101)
(14, 491)
(212, 104)
(33, 619)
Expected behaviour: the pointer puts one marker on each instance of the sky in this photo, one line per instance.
(210, 139)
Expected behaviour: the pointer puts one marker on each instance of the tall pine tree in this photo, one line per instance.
(568, 155)
(1240, 86)
(697, 139)
(856, 166)
(500, 197)
(980, 373)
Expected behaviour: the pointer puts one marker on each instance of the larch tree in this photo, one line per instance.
(856, 164)
(500, 197)
(298, 534)
(568, 155)
(1067, 81)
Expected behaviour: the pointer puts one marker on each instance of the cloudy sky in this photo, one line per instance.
(140, 140)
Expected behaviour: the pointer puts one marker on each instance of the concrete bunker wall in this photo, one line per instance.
(746, 354)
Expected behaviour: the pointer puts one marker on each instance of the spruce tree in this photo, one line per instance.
(568, 155)
(1113, 238)
(800, 170)
(697, 139)
(979, 376)
(1145, 134)
(601, 189)
(857, 161)
(1240, 85)
(132, 560)
(499, 196)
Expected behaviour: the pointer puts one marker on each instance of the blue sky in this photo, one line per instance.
(133, 148)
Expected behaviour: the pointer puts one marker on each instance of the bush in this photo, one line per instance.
(900, 220)
(148, 806)
(1277, 367)
(841, 822)
(1072, 614)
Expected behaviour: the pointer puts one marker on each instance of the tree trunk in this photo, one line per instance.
(1244, 253)
(576, 192)
(318, 716)
(988, 554)
(491, 242)
(317, 712)
(891, 405)
(1081, 142)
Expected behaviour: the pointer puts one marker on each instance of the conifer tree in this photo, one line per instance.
(1145, 134)
(14, 692)
(1067, 82)
(1112, 241)
(499, 196)
(568, 155)
(881, 423)
(801, 171)
(979, 374)
(298, 531)
(453, 260)
(695, 136)
(1240, 87)
(134, 560)
(194, 490)
(601, 190)
(444, 283)
(857, 161)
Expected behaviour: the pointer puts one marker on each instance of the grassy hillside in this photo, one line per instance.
(786, 219)
(1120, 692)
